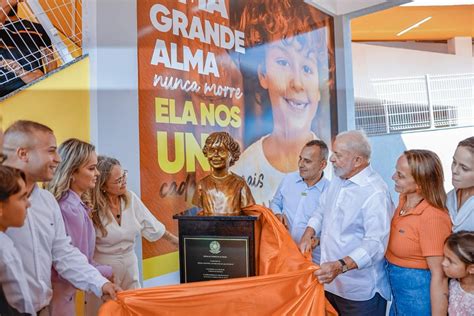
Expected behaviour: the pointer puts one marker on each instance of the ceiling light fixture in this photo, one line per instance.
(414, 25)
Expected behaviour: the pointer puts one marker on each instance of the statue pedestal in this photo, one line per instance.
(215, 247)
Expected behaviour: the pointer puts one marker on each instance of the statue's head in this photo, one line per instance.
(221, 148)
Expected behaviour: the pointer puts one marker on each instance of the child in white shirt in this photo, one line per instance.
(14, 293)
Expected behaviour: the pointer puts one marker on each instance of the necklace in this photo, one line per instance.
(403, 211)
(119, 213)
(405, 208)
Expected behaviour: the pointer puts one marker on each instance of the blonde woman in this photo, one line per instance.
(71, 185)
(119, 216)
(460, 200)
(419, 228)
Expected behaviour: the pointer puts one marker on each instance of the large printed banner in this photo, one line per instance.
(261, 70)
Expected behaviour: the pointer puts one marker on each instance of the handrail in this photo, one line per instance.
(417, 103)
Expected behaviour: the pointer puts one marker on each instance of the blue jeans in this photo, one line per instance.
(410, 291)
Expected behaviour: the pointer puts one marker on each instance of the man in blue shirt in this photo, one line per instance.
(299, 191)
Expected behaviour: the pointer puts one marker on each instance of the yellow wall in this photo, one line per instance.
(160, 265)
(60, 101)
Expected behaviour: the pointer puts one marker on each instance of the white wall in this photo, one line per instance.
(412, 45)
(110, 39)
(375, 62)
(387, 148)
(415, 45)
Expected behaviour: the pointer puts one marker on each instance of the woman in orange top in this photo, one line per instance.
(419, 227)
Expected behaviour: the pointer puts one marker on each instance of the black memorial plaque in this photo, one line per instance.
(215, 247)
(215, 257)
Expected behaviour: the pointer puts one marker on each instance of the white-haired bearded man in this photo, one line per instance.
(353, 219)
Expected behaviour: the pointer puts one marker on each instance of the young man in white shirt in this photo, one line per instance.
(353, 218)
(299, 191)
(42, 241)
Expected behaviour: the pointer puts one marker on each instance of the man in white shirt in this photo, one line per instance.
(353, 218)
(299, 191)
(42, 241)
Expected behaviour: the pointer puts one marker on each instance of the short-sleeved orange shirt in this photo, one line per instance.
(417, 234)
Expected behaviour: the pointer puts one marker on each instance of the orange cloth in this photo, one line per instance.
(285, 286)
(418, 234)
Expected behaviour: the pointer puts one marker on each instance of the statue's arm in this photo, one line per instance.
(246, 197)
(197, 197)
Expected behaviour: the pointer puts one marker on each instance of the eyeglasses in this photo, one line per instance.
(122, 178)
(3, 157)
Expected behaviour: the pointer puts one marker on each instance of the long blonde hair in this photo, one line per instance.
(100, 200)
(74, 154)
(427, 170)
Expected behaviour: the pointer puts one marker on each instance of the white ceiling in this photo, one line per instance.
(439, 2)
(354, 7)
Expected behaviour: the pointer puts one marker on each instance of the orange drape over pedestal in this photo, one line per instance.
(285, 286)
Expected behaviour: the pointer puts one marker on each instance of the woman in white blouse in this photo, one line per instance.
(119, 216)
(460, 201)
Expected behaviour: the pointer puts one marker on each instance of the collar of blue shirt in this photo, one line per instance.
(320, 185)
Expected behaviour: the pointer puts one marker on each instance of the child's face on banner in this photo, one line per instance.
(291, 78)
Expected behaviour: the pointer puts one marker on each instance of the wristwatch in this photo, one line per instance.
(344, 265)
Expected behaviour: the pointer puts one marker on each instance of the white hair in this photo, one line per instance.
(357, 141)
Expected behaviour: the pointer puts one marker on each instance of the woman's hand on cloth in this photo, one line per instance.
(109, 291)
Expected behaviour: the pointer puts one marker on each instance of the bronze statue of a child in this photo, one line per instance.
(222, 192)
